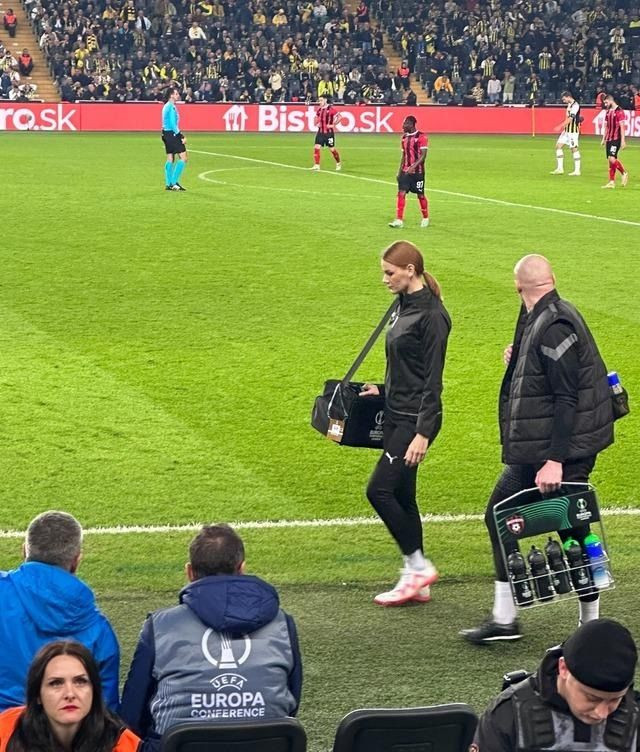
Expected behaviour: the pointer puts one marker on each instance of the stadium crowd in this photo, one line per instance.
(526, 51)
(465, 52)
(214, 50)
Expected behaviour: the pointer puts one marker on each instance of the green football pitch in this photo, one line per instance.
(161, 353)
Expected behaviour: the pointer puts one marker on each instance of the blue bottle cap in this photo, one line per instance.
(613, 378)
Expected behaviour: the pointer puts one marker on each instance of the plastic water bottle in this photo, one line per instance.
(518, 574)
(597, 561)
(614, 382)
(579, 573)
(619, 396)
(558, 567)
(540, 575)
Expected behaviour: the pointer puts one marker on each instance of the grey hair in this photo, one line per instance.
(54, 538)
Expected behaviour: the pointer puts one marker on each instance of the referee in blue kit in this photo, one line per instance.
(174, 142)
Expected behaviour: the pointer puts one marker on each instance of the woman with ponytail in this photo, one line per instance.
(416, 346)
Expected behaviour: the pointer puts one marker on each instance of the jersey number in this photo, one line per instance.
(420, 185)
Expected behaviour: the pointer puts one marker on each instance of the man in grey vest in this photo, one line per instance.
(555, 417)
(581, 698)
(228, 652)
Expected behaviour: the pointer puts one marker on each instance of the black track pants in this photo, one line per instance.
(392, 486)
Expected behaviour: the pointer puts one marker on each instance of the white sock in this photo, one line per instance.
(504, 609)
(589, 611)
(560, 159)
(576, 162)
(416, 561)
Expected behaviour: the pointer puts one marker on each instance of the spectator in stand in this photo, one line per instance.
(180, 667)
(477, 92)
(403, 76)
(280, 18)
(64, 709)
(10, 22)
(443, 89)
(25, 63)
(412, 99)
(5, 84)
(362, 12)
(48, 602)
(508, 88)
(494, 89)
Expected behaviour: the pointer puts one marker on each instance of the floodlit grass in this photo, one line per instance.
(161, 353)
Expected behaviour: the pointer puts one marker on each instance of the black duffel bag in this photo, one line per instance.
(341, 415)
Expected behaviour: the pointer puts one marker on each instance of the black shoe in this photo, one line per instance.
(489, 632)
(179, 187)
(168, 188)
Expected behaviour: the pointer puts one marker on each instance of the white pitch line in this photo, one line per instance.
(284, 524)
(500, 202)
(203, 176)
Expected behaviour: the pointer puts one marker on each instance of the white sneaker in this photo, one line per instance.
(574, 174)
(557, 172)
(625, 178)
(423, 595)
(610, 184)
(410, 584)
(396, 223)
(338, 166)
(425, 222)
(316, 167)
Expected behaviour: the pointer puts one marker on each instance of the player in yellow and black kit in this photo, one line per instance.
(569, 136)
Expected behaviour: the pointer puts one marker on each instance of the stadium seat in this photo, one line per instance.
(282, 735)
(442, 728)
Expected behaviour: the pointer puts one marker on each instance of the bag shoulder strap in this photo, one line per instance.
(369, 344)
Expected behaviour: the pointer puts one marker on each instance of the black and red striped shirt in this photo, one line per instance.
(326, 118)
(412, 146)
(613, 122)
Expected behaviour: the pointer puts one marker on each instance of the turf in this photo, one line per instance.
(161, 353)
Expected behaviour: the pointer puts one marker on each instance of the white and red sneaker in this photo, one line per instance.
(410, 587)
(423, 595)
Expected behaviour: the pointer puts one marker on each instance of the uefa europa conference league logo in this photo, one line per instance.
(229, 698)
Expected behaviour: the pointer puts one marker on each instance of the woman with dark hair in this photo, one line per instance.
(416, 346)
(65, 711)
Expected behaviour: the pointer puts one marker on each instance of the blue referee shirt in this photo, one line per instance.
(170, 118)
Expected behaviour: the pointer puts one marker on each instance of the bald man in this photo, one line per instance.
(555, 417)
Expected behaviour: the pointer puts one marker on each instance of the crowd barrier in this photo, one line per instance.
(293, 118)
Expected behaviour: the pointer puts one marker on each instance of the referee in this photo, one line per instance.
(174, 142)
(416, 345)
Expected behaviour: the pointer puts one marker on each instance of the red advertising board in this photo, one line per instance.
(292, 118)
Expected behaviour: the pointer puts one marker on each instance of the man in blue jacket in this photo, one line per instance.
(43, 601)
(228, 652)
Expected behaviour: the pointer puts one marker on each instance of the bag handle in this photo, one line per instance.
(369, 344)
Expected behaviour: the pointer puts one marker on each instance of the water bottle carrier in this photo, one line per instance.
(531, 517)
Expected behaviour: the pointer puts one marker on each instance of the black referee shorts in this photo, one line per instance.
(173, 144)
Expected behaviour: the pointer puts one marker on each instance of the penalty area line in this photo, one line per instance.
(447, 519)
(485, 199)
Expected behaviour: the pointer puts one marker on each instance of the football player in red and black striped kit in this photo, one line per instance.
(613, 140)
(411, 175)
(327, 117)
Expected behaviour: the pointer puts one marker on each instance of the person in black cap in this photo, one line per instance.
(581, 698)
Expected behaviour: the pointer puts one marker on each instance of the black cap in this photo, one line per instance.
(602, 655)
